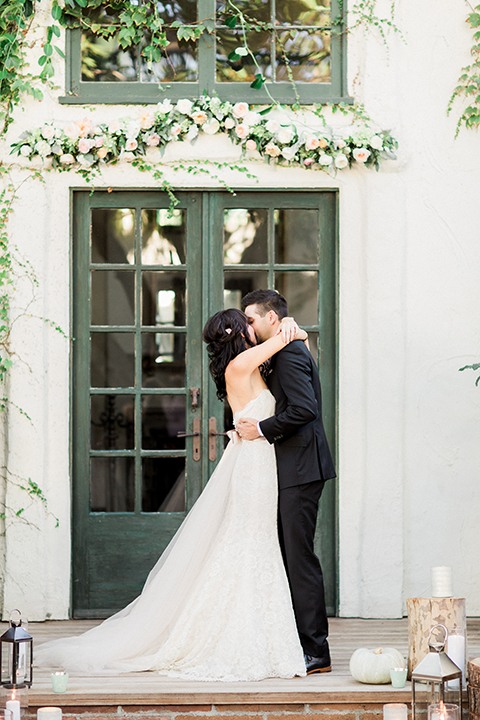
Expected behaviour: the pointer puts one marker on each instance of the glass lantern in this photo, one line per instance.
(436, 669)
(16, 654)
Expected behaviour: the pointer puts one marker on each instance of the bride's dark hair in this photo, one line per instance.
(226, 335)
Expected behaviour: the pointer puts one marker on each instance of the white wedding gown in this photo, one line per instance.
(217, 605)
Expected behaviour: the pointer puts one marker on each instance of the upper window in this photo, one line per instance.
(290, 40)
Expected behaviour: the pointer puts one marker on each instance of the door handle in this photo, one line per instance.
(196, 438)
(212, 435)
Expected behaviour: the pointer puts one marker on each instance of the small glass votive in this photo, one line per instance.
(398, 677)
(443, 711)
(395, 711)
(6, 714)
(59, 681)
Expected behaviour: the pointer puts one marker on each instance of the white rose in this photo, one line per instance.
(288, 153)
(42, 147)
(339, 143)
(114, 126)
(272, 126)
(199, 117)
(251, 145)
(25, 150)
(48, 132)
(272, 149)
(184, 106)
(376, 142)
(132, 128)
(252, 118)
(127, 156)
(175, 131)
(229, 123)
(131, 144)
(164, 107)
(341, 161)
(325, 159)
(211, 126)
(361, 155)
(240, 109)
(72, 131)
(285, 135)
(67, 159)
(192, 133)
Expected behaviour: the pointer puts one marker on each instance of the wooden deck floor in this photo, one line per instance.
(150, 689)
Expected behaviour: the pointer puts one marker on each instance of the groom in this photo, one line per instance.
(304, 463)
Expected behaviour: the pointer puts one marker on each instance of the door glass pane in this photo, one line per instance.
(113, 235)
(113, 360)
(112, 422)
(238, 284)
(313, 12)
(244, 69)
(163, 360)
(245, 236)
(178, 61)
(163, 237)
(313, 345)
(301, 292)
(163, 485)
(308, 56)
(163, 416)
(113, 297)
(296, 236)
(112, 485)
(163, 298)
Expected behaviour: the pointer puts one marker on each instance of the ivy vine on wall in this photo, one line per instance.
(469, 80)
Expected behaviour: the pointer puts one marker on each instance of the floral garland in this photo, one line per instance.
(279, 138)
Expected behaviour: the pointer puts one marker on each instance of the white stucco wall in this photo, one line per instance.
(409, 300)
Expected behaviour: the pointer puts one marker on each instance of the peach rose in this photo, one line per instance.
(86, 126)
(361, 155)
(153, 140)
(146, 119)
(85, 145)
(131, 144)
(199, 117)
(251, 145)
(272, 149)
(242, 131)
(240, 109)
(312, 142)
(102, 152)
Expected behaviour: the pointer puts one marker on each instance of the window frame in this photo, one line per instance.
(79, 92)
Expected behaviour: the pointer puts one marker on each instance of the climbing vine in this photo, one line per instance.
(469, 80)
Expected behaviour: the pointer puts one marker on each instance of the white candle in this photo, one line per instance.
(395, 711)
(49, 713)
(14, 706)
(442, 585)
(456, 653)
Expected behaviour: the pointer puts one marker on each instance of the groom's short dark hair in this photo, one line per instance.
(266, 300)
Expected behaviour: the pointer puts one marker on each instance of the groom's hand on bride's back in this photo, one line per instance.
(247, 429)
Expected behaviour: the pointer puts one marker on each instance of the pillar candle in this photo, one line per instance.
(395, 711)
(14, 706)
(49, 713)
(456, 653)
(442, 585)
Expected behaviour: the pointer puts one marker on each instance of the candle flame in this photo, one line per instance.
(13, 695)
(442, 713)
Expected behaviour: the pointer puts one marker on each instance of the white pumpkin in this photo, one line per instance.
(373, 666)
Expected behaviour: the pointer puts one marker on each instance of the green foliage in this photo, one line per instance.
(469, 81)
(475, 366)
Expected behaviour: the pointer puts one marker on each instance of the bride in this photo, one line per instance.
(217, 605)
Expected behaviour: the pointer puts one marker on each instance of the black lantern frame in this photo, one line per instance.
(16, 655)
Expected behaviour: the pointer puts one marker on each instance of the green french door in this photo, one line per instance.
(146, 423)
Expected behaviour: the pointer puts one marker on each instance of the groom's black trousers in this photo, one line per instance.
(297, 517)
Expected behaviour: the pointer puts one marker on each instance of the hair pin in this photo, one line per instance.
(228, 330)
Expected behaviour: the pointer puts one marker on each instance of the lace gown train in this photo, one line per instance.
(217, 605)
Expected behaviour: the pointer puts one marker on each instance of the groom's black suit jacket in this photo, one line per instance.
(296, 429)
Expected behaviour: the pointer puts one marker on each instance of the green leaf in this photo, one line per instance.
(42, 60)
(258, 82)
(266, 110)
(56, 30)
(82, 3)
(48, 49)
(474, 19)
(233, 57)
(231, 21)
(60, 52)
(56, 12)
(27, 8)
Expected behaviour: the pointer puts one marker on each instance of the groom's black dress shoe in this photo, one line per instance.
(317, 665)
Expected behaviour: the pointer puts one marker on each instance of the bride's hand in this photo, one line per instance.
(290, 330)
